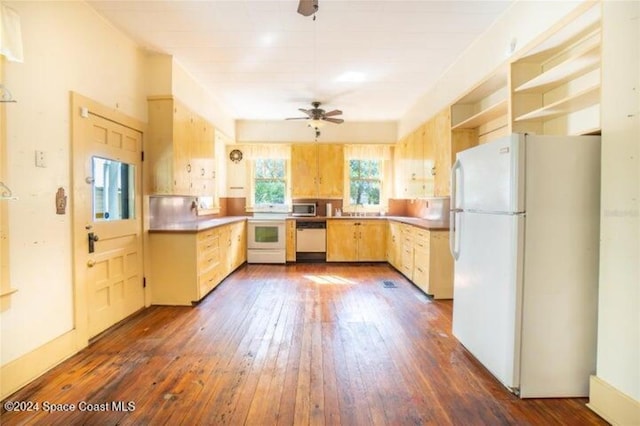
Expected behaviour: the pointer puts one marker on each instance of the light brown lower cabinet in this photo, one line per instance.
(432, 263)
(424, 259)
(406, 259)
(186, 266)
(291, 240)
(394, 244)
(351, 240)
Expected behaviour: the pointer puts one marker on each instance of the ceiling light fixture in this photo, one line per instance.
(351, 77)
(315, 123)
(308, 8)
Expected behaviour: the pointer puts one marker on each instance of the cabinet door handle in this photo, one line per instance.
(188, 168)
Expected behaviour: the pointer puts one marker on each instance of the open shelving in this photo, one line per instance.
(556, 86)
(485, 109)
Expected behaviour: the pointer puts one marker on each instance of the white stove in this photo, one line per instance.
(266, 238)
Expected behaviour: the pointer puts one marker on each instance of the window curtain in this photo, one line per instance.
(265, 151)
(10, 34)
(379, 152)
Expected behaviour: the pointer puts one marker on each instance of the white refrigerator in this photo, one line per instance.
(525, 241)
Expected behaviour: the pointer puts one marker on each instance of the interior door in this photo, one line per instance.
(107, 219)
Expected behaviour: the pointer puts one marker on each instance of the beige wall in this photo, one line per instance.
(66, 47)
(189, 91)
(252, 131)
(619, 308)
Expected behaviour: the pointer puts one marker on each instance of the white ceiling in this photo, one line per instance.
(263, 61)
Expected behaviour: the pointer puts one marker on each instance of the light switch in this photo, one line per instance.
(41, 159)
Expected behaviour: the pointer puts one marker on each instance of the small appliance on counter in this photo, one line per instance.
(329, 209)
(304, 209)
(437, 209)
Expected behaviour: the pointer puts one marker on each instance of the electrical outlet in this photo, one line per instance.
(41, 159)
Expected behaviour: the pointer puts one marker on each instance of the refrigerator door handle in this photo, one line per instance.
(454, 184)
(453, 231)
(454, 236)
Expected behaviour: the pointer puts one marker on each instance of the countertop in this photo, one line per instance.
(197, 226)
(432, 225)
(203, 225)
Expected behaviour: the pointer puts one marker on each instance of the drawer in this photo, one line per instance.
(208, 260)
(208, 281)
(204, 235)
(421, 243)
(407, 271)
(421, 233)
(421, 277)
(208, 245)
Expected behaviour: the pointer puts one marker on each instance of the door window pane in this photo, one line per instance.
(113, 189)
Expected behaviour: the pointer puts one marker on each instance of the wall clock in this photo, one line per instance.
(235, 155)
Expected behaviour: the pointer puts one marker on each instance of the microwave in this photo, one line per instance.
(304, 209)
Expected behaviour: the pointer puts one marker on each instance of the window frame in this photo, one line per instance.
(255, 179)
(364, 208)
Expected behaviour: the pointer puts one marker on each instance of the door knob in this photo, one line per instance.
(92, 239)
(91, 263)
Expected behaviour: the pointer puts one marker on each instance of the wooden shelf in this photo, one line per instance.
(8, 292)
(491, 113)
(582, 62)
(576, 102)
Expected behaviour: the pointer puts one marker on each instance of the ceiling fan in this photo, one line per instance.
(317, 116)
(308, 7)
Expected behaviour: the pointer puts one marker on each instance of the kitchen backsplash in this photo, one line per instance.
(435, 208)
(169, 209)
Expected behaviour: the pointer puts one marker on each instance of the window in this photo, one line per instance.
(365, 182)
(367, 176)
(270, 182)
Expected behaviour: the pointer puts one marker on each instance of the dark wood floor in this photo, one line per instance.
(303, 344)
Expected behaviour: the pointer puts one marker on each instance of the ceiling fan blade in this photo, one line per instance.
(307, 7)
(297, 118)
(334, 120)
(332, 113)
(309, 112)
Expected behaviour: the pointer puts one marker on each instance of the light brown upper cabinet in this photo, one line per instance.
(555, 87)
(413, 180)
(180, 149)
(317, 170)
(423, 159)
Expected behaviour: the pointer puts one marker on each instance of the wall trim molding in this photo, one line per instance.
(19, 372)
(612, 405)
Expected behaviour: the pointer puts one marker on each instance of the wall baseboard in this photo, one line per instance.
(28, 367)
(611, 404)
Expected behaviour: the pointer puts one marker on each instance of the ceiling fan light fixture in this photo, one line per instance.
(315, 123)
